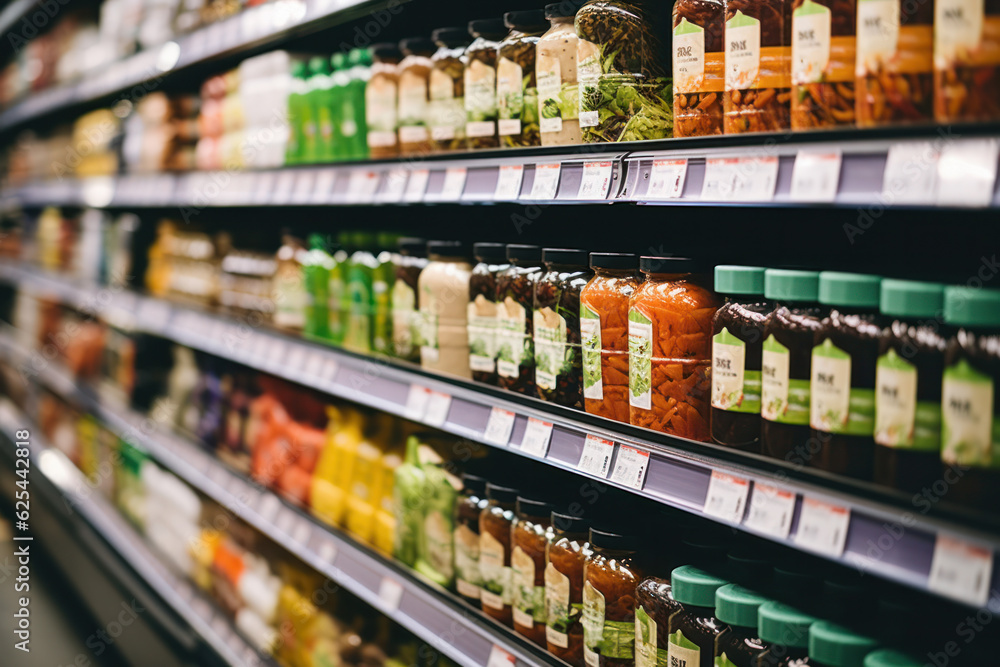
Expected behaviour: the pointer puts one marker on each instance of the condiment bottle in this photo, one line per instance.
(889, 658)
(480, 80)
(970, 402)
(699, 67)
(565, 556)
(786, 630)
(787, 351)
(360, 294)
(604, 333)
(556, 327)
(842, 375)
(517, 92)
(966, 61)
(353, 123)
(471, 503)
(483, 322)
(908, 385)
(339, 104)
(738, 328)
(495, 523)
(695, 630)
(832, 645)
(339, 302)
(444, 293)
(414, 83)
(318, 132)
(529, 540)
(290, 296)
(316, 265)
(515, 303)
(669, 330)
(555, 72)
(409, 261)
(741, 646)
(382, 279)
(823, 55)
(758, 66)
(381, 101)
(447, 89)
(299, 113)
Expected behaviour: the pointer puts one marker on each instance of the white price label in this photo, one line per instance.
(740, 179)
(268, 506)
(499, 427)
(454, 184)
(286, 521)
(154, 315)
(536, 437)
(264, 185)
(327, 551)
(596, 456)
(416, 186)
(509, 182)
(500, 658)
(393, 186)
(390, 592)
(771, 510)
(961, 571)
(416, 402)
(305, 182)
(823, 527)
(910, 175)
(301, 532)
(727, 497)
(361, 188)
(329, 368)
(967, 172)
(276, 352)
(296, 358)
(323, 189)
(630, 467)
(220, 626)
(596, 180)
(546, 183)
(218, 475)
(816, 176)
(666, 179)
(283, 186)
(438, 406)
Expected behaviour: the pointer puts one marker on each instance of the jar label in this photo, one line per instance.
(337, 306)
(783, 399)
(558, 100)
(683, 651)
(835, 406)
(380, 108)
(958, 30)
(446, 112)
(514, 346)
(900, 419)
(640, 360)
(510, 96)
(404, 302)
(482, 328)
(529, 600)
(590, 332)
(646, 653)
(878, 34)
(970, 432)
(810, 42)
(588, 71)
(467, 561)
(559, 615)
(733, 387)
(742, 51)
(428, 335)
(689, 57)
(439, 544)
(552, 355)
(593, 623)
(496, 591)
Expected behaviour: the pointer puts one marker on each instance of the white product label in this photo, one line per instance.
(640, 355)
(830, 389)
(910, 175)
(895, 400)
(499, 426)
(549, 80)
(742, 51)
(740, 179)
(666, 179)
(958, 26)
(416, 402)
(771, 510)
(815, 176)
(390, 592)
(588, 57)
(593, 623)
(546, 183)
(774, 380)
(961, 571)
(596, 180)
(536, 437)
(689, 57)
(496, 576)
(557, 606)
(966, 416)
(481, 128)
(454, 184)
(810, 42)
(878, 34)
(527, 597)
(509, 182)
(728, 362)
(590, 334)
(967, 172)
(510, 96)
(682, 656)
(823, 527)
(361, 187)
(596, 456)
(630, 467)
(727, 497)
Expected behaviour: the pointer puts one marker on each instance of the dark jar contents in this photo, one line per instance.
(517, 90)
(480, 83)
(786, 630)
(556, 327)
(699, 67)
(495, 523)
(469, 506)
(530, 537)
(823, 55)
(446, 91)
(695, 630)
(408, 262)
(655, 609)
(737, 345)
(565, 557)
(966, 66)
(758, 66)
(515, 318)
(741, 646)
(492, 261)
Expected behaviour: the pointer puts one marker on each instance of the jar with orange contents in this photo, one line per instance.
(823, 53)
(758, 66)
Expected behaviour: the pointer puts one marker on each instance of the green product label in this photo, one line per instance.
(836, 406)
(529, 600)
(404, 302)
(382, 326)
(514, 346)
(734, 388)
(617, 640)
(646, 653)
(482, 329)
(682, 651)
(970, 431)
(553, 356)
(783, 399)
(358, 334)
(640, 360)
(590, 333)
(900, 419)
(724, 661)
(338, 304)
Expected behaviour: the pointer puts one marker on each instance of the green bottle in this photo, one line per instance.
(316, 267)
(338, 303)
(338, 92)
(354, 126)
(319, 130)
(298, 113)
(360, 294)
(384, 277)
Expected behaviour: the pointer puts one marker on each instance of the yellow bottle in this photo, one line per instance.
(328, 493)
(385, 519)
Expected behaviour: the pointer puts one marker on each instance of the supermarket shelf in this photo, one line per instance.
(14, 12)
(761, 496)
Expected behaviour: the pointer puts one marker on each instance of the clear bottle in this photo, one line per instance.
(823, 61)
(414, 86)
(447, 89)
(758, 66)
(555, 72)
(483, 290)
(381, 101)
(289, 292)
(443, 298)
(517, 91)
(480, 83)
(495, 523)
(360, 294)
(530, 536)
(565, 557)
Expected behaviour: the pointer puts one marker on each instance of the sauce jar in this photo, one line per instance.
(495, 523)
(758, 66)
(381, 100)
(409, 260)
(741, 646)
(565, 556)
(966, 61)
(556, 327)
(414, 85)
(604, 333)
(831, 645)
(469, 506)
(529, 540)
(737, 345)
(788, 341)
(517, 91)
(908, 385)
(823, 55)
(555, 72)
(699, 67)
(786, 630)
(695, 630)
(480, 79)
(447, 89)
(842, 374)
(492, 261)
(444, 294)
(515, 304)
(669, 330)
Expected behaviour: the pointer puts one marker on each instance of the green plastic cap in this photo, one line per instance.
(360, 57)
(299, 69)
(738, 606)
(791, 285)
(836, 646)
(319, 65)
(969, 307)
(695, 587)
(317, 242)
(783, 625)
(338, 60)
(887, 658)
(911, 298)
(739, 279)
(859, 290)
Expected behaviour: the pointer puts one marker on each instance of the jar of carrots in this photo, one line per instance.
(670, 347)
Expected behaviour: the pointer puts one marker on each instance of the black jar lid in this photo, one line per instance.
(452, 37)
(490, 252)
(491, 29)
(412, 246)
(518, 252)
(568, 523)
(564, 256)
(621, 261)
(386, 51)
(527, 20)
(563, 9)
(615, 541)
(474, 484)
(649, 264)
(448, 248)
(421, 46)
(501, 494)
(533, 507)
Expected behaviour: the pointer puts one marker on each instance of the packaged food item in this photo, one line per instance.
(741, 646)
(842, 375)
(483, 320)
(381, 102)
(414, 87)
(409, 261)
(831, 645)
(299, 113)
(360, 294)
(447, 89)
(908, 377)
(604, 303)
(383, 277)
(444, 294)
(335, 466)
(556, 327)
(738, 328)
(699, 63)
(670, 324)
(316, 265)
(289, 290)
(470, 504)
(515, 304)
(517, 91)
(339, 307)
(495, 523)
(565, 556)
(823, 61)
(480, 80)
(786, 629)
(530, 536)
(318, 133)
(655, 608)
(966, 61)
(338, 103)
(758, 66)
(555, 72)
(435, 551)
(695, 630)
(353, 121)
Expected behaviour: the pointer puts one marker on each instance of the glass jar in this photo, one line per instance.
(823, 55)
(842, 374)
(831, 645)
(908, 377)
(517, 91)
(565, 556)
(555, 72)
(470, 504)
(655, 607)
(786, 630)
(556, 327)
(699, 67)
(515, 304)
(670, 346)
(444, 293)
(966, 61)
(758, 66)
(970, 402)
(447, 89)
(621, 64)
(360, 294)
(409, 260)
(495, 523)
(414, 83)
(480, 79)
(741, 646)
(529, 540)
(381, 100)
(738, 329)
(694, 630)
(604, 333)
(492, 258)
(789, 331)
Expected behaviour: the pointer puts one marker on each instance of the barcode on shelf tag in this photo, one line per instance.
(390, 592)
(740, 179)
(816, 176)
(910, 175)
(361, 188)
(771, 510)
(393, 186)
(630, 467)
(536, 437)
(268, 506)
(416, 402)
(596, 180)
(967, 172)
(596, 456)
(961, 571)
(509, 182)
(823, 527)
(454, 184)
(416, 186)
(500, 658)
(727, 497)
(546, 183)
(666, 179)
(438, 405)
(499, 426)
(283, 186)
(323, 189)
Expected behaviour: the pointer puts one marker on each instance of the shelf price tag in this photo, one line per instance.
(282, 192)
(454, 184)
(390, 592)
(499, 426)
(416, 402)
(276, 353)
(154, 315)
(500, 658)
(393, 186)
(666, 179)
(910, 175)
(727, 497)
(961, 571)
(438, 405)
(967, 172)
(816, 176)
(596, 180)
(304, 183)
(268, 506)
(740, 179)
(596, 457)
(536, 437)
(361, 188)
(302, 531)
(771, 510)
(416, 186)
(823, 527)
(263, 187)
(327, 551)
(546, 183)
(509, 182)
(325, 178)
(630, 467)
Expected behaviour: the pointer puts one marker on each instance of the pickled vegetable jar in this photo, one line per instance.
(530, 537)
(695, 630)
(555, 72)
(495, 522)
(515, 306)
(409, 261)
(469, 506)
(444, 293)
(447, 89)
(604, 333)
(699, 67)
(823, 54)
(492, 261)
(565, 557)
(414, 85)
(480, 83)
(517, 91)
(758, 66)
(670, 347)
(655, 606)
(381, 100)
(966, 61)
(741, 646)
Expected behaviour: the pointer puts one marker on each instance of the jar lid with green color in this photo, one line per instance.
(911, 298)
(832, 645)
(791, 285)
(738, 606)
(970, 307)
(730, 279)
(889, 658)
(695, 587)
(781, 624)
(856, 290)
